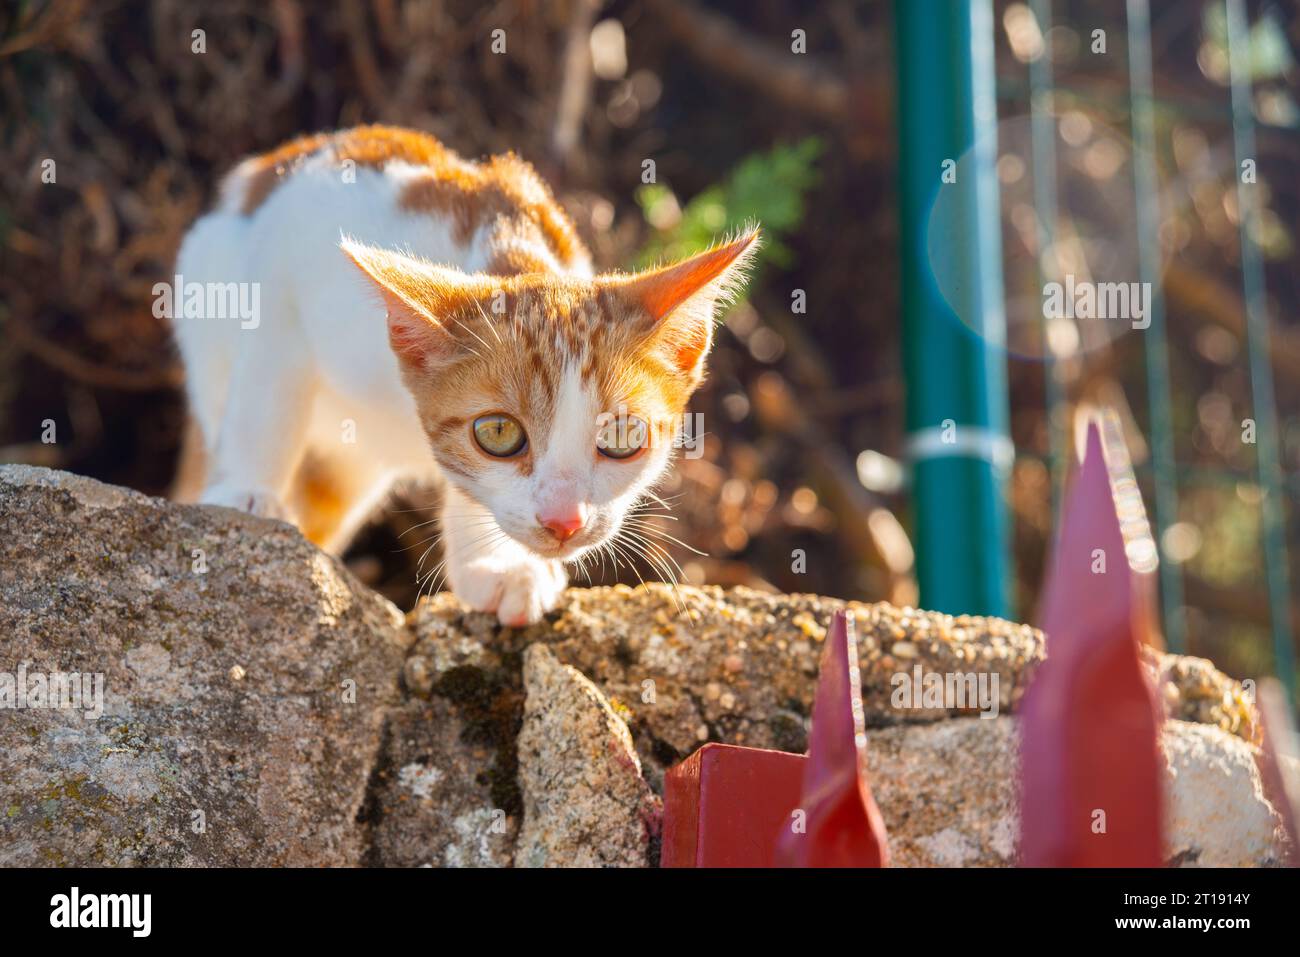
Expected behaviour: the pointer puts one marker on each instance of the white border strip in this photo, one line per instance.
(966, 441)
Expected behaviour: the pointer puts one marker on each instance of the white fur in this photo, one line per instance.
(317, 366)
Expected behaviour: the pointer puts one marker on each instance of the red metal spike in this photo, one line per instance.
(842, 825)
(727, 806)
(1091, 768)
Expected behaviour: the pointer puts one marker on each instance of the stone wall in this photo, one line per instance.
(261, 707)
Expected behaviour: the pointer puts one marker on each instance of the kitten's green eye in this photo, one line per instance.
(499, 435)
(622, 437)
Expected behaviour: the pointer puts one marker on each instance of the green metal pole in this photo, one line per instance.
(953, 353)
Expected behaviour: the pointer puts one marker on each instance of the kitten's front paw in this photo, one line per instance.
(253, 501)
(520, 594)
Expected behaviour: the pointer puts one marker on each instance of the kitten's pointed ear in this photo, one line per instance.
(419, 297)
(681, 299)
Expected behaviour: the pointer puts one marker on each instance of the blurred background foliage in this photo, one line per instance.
(802, 408)
(766, 188)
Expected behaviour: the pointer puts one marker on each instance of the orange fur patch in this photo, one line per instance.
(368, 146)
(321, 502)
(503, 190)
(504, 187)
(513, 260)
(264, 173)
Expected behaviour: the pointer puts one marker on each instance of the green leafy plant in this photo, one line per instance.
(1268, 54)
(768, 188)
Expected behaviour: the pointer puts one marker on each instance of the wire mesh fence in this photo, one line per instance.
(1149, 143)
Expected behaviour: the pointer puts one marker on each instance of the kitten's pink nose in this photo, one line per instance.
(563, 525)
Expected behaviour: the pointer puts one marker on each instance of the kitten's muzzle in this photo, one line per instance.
(563, 525)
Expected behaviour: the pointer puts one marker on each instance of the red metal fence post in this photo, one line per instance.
(725, 805)
(1091, 767)
(728, 806)
(841, 825)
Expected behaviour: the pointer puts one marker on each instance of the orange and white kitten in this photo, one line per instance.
(545, 396)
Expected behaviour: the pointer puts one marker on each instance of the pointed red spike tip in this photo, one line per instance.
(840, 825)
(1091, 767)
(728, 806)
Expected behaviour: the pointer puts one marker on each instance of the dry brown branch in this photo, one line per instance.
(44, 27)
(363, 59)
(88, 373)
(722, 45)
(575, 86)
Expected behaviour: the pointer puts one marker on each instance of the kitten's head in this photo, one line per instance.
(554, 401)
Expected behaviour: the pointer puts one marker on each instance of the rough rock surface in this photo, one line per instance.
(432, 802)
(253, 687)
(245, 681)
(740, 666)
(947, 793)
(1216, 814)
(585, 802)
(1194, 690)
